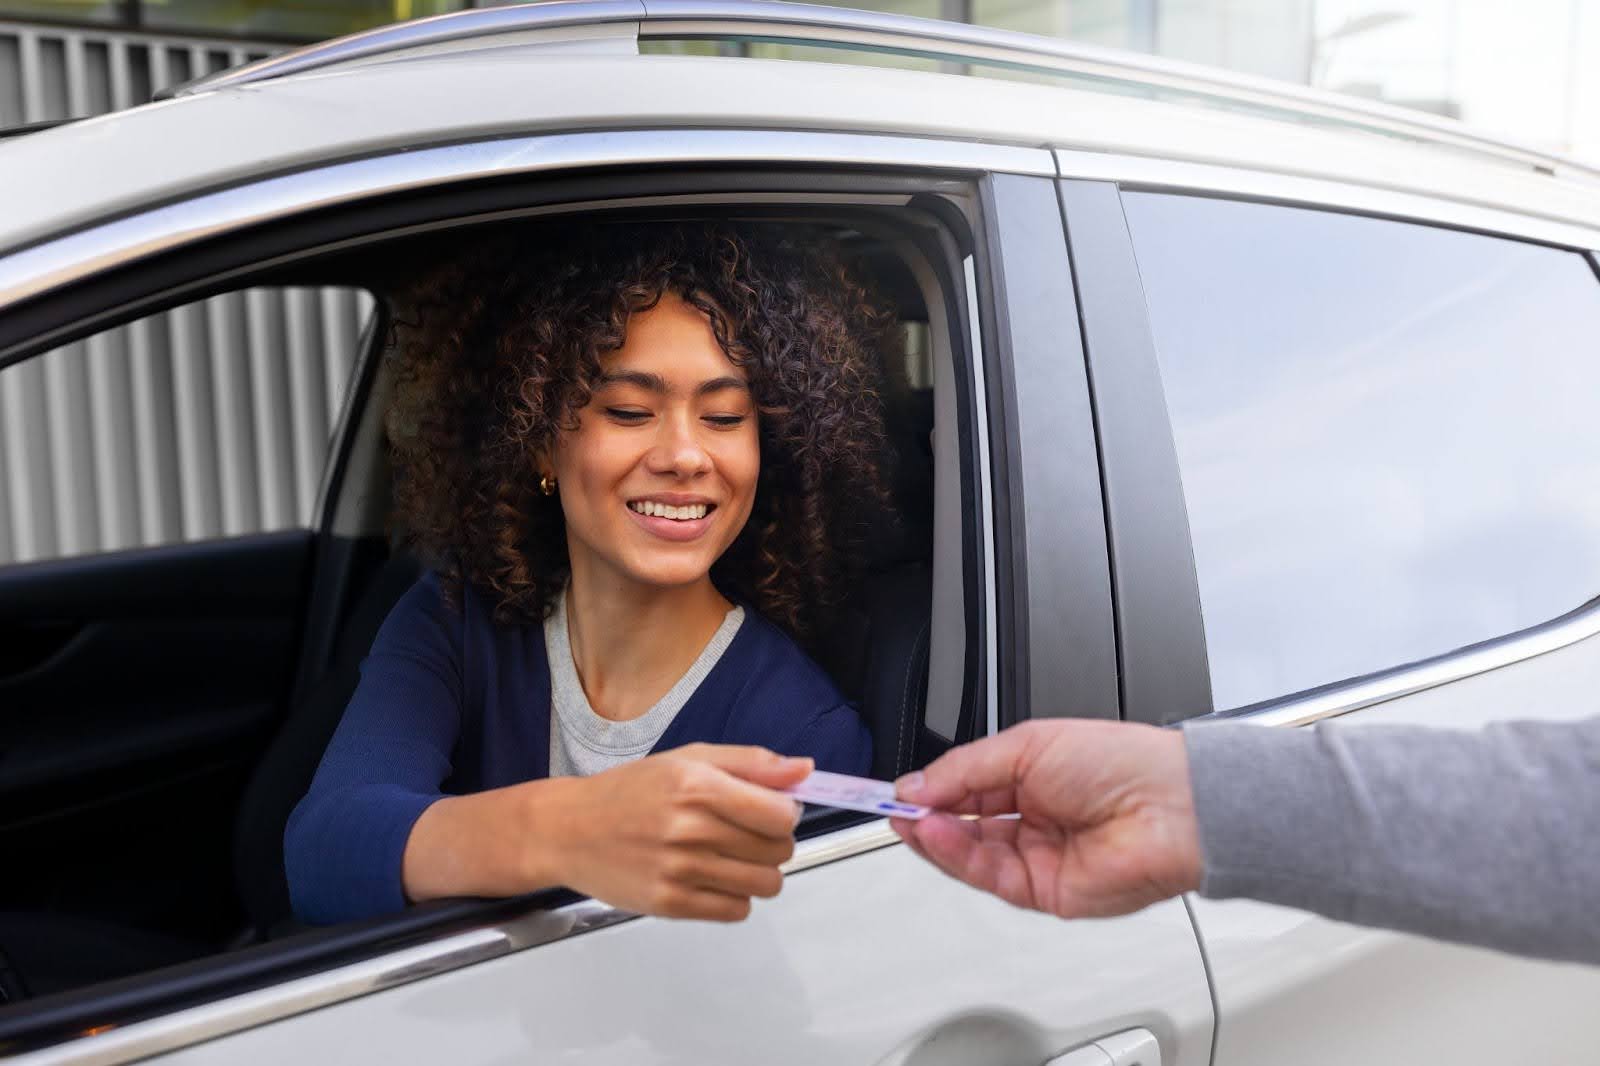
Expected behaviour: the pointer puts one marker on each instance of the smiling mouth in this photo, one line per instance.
(687, 512)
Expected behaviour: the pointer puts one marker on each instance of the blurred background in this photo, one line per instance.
(1529, 70)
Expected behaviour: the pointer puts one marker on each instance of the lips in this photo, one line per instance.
(675, 519)
(673, 512)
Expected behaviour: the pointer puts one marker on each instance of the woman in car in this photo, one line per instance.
(633, 457)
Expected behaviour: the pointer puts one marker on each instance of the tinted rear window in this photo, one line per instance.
(1387, 432)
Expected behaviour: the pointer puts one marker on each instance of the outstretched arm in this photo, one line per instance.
(690, 833)
(1476, 836)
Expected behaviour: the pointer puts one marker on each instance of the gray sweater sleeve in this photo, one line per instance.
(1487, 837)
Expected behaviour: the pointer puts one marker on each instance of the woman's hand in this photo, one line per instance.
(1107, 820)
(689, 833)
(695, 832)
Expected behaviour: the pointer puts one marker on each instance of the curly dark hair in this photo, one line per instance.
(497, 350)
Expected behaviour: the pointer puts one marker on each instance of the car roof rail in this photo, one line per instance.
(606, 23)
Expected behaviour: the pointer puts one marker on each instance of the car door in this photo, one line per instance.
(869, 955)
(1350, 472)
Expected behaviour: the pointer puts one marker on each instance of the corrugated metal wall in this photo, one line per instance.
(50, 73)
(209, 420)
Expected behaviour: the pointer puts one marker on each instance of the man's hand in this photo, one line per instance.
(1107, 820)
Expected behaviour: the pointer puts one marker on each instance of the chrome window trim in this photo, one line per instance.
(63, 260)
(980, 393)
(196, 1025)
(1343, 697)
(1139, 172)
(802, 23)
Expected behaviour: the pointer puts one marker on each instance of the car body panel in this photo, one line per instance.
(864, 960)
(1291, 983)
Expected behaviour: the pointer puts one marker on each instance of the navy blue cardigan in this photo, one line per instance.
(451, 703)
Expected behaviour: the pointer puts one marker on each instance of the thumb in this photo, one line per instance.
(754, 764)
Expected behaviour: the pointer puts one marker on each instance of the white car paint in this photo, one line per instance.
(865, 960)
(1290, 984)
(235, 135)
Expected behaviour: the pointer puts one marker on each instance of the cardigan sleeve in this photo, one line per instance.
(385, 765)
(1480, 836)
(836, 739)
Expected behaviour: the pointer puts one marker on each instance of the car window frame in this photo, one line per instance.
(113, 286)
(1055, 621)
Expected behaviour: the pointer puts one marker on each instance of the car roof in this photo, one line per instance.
(576, 67)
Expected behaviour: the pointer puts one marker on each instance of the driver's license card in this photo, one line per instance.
(854, 794)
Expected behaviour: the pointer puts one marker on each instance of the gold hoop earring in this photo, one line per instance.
(547, 484)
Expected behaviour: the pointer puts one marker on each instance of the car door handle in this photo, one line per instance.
(1133, 1047)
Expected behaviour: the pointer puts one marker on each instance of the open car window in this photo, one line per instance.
(317, 589)
(211, 419)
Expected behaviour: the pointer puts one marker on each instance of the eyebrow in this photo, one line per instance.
(656, 383)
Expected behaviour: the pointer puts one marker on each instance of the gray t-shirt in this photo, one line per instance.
(581, 741)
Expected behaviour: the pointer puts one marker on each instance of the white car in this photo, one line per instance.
(1226, 398)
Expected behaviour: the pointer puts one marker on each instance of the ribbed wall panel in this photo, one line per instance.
(155, 431)
(71, 461)
(210, 420)
(111, 414)
(308, 390)
(269, 395)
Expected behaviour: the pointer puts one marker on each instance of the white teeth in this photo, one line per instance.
(687, 512)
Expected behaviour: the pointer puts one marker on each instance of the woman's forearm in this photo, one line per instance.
(503, 842)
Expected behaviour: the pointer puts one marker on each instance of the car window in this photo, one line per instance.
(1385, 432)
(209, 420)
(214, 419)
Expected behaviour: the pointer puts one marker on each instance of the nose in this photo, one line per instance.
(678, 450)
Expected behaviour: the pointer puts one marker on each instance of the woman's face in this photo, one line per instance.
(659, 476)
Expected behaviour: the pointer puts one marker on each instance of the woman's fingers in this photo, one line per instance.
(707, 786)
(731, 877)
(705, 830)
(754, 764)
(706, 906)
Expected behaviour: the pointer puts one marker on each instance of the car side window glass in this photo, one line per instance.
(209, 420)
(1386, 433)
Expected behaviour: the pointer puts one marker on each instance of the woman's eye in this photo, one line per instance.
(626, 415)
(724, 421)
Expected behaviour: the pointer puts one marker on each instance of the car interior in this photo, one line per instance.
(166, 707)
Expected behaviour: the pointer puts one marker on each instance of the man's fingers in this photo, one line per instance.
(953, 846)
(982, 853)
(983, 768)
